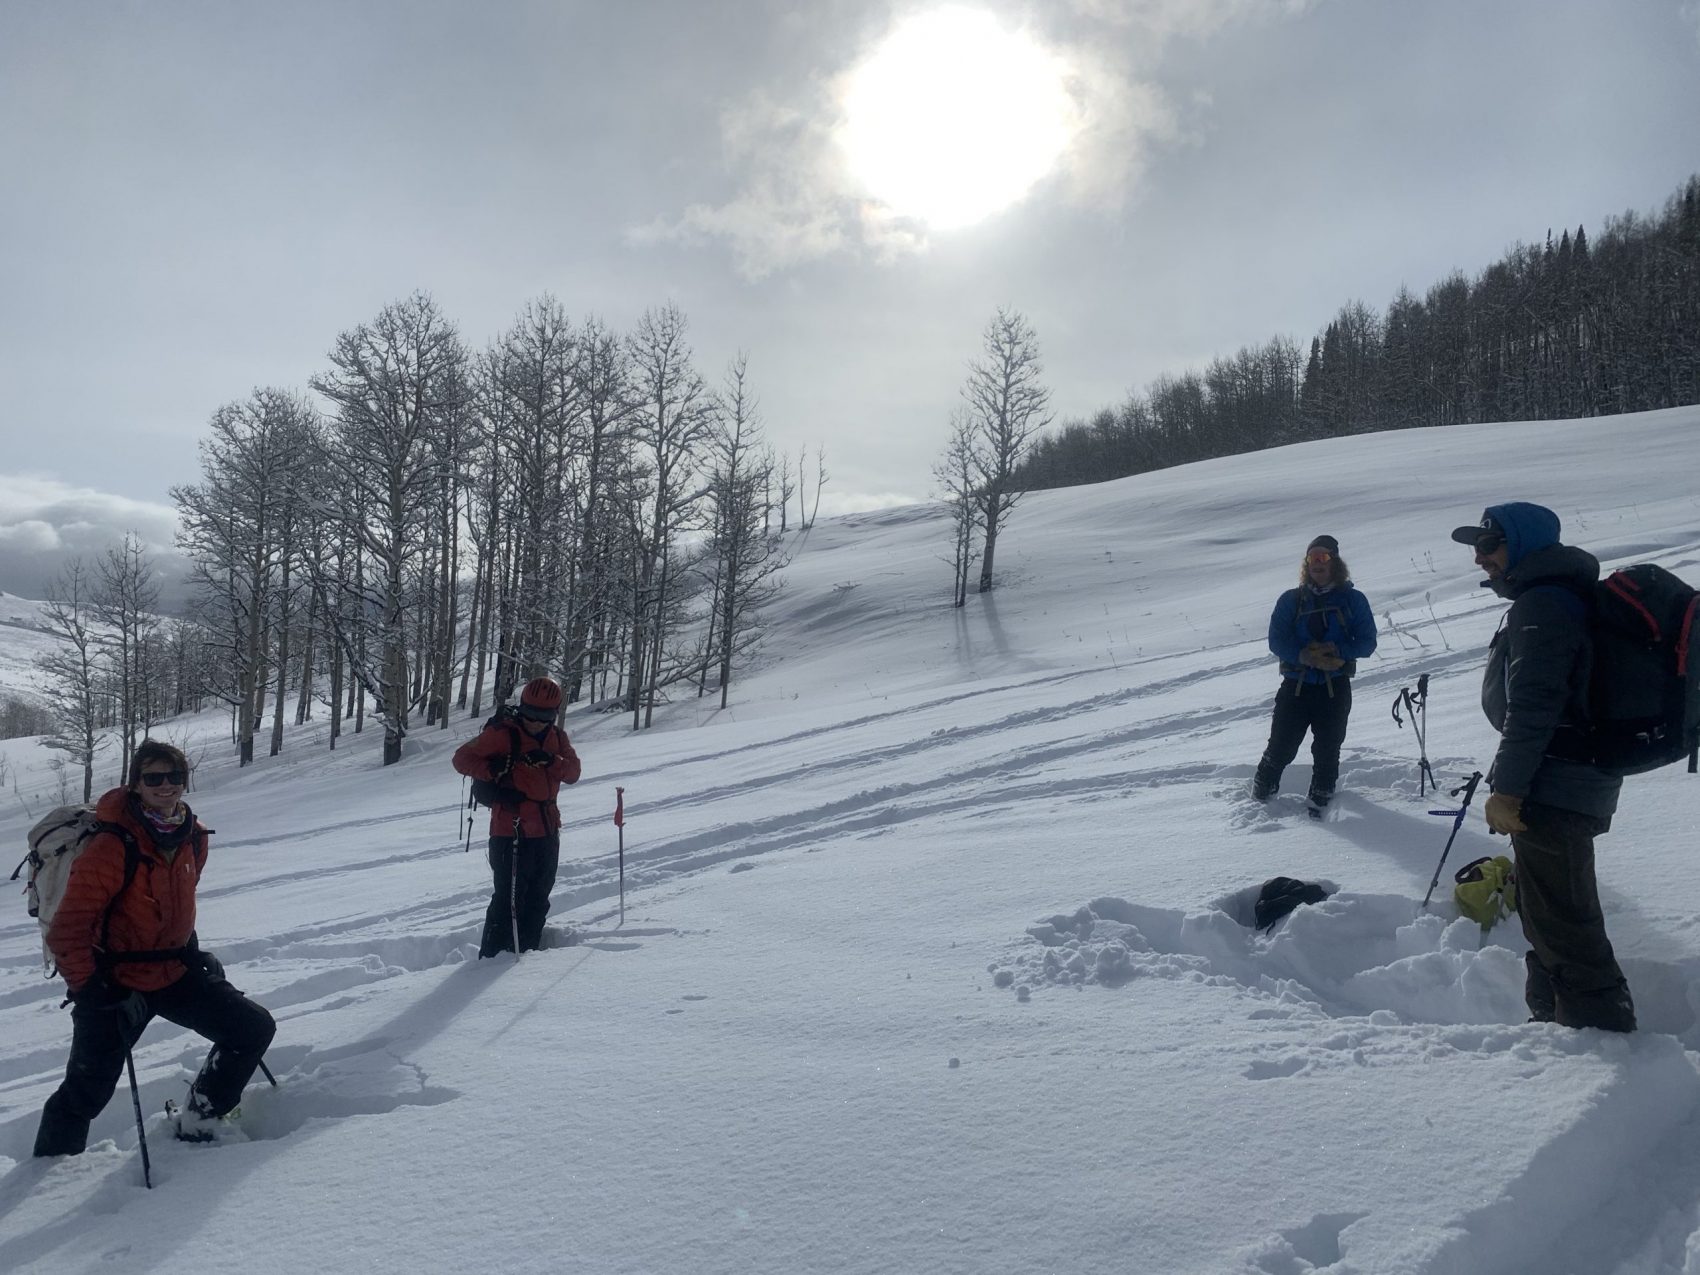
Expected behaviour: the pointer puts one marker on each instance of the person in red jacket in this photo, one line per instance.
(124, 939)
(529, 758)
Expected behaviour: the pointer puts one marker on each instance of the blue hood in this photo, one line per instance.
(1527, 528)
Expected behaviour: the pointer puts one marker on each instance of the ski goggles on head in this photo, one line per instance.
(532, 713)
(1318, 557)
(154, 778)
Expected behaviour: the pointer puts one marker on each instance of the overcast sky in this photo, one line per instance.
(199, 196)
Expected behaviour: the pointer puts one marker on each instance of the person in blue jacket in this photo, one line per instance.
(1319, 631)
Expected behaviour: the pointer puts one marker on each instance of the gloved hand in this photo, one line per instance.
(210, 965)
(539, 757)
(99, 992)
(1322, 655)
(499, 767)
(100, 995)
(1505, 814)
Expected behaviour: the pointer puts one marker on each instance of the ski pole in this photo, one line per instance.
(141, 1132)
(1468, 788)
(1417, 706)
(268, 1071)
(620, 823)
(513, 887)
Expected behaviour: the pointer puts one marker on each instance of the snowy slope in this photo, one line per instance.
(934, 954)
(23, 638)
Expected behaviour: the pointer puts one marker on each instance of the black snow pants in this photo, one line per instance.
(1322, 709)
(239, 1029)
(1573, 974)
(528, 887)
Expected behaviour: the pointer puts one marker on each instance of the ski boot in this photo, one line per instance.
(192, 1123)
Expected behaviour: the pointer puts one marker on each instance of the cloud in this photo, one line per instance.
(795, 201)
(45, 523)
(1171, 19)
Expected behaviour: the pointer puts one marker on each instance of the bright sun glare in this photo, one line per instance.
(952, 118)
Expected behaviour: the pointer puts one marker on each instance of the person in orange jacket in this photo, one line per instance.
(524, 753)
(124, 940)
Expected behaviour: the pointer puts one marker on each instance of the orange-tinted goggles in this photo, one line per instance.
(1319, 556)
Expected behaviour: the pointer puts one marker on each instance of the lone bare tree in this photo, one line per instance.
(1007, 409)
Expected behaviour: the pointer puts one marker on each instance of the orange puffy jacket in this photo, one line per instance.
(537, 815)
(156, 912)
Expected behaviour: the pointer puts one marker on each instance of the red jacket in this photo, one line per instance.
(156, 911)
(537, 815)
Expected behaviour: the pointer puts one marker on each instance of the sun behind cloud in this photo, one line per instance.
(953, 117)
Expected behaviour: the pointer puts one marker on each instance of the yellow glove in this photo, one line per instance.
(1505, 814)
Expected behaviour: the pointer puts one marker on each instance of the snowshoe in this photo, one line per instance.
(1316, 802)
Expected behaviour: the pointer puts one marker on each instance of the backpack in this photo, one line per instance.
(1644, 690)
(1280, 895)
(496, 792)
(55, 842)
(1485, 890)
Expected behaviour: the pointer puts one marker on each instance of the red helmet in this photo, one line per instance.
(541, 692)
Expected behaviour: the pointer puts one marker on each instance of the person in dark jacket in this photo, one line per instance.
(1319, 631)
(524, 752)
(128, 952)
(1535, 693)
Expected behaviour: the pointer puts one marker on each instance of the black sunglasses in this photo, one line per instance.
(154, 778)
(1488, 541)
(534, 714)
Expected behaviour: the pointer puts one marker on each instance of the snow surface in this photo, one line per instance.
(934, 955)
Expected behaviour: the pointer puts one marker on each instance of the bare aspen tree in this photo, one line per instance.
(396, 385)
(126, 597)
(603, 373)
(670, 425)
(820, 481)
(233, 529)
(802, 487)
(532, 402)
(69, 671)
(786, 487)
(745, 559)
(1007, 407)
(957, 476)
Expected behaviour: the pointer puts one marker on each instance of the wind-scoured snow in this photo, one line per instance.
(937, 952)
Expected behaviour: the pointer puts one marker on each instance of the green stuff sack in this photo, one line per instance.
(1486, 890)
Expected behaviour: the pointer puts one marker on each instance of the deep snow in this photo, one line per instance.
(934, 956)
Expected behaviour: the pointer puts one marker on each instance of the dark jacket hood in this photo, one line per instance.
(1527, 528)
(1563, 565)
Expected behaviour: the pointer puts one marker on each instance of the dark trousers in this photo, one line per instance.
(1302, 706)
(239, 1029)
(527, 879)
(1573, 975)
